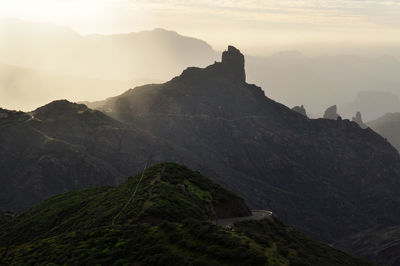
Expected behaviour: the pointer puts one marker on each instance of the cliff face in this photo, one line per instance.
(330, 178)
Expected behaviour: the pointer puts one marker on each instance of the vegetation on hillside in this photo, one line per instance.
(169, 221)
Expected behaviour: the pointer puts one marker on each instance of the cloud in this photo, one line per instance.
(326, 13)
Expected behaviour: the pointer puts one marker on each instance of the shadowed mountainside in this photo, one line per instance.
(329, 178)
(62, 147)
(385, 247)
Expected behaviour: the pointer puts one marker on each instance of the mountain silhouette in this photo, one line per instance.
(389, 127)
(329, 178)
(323, 176)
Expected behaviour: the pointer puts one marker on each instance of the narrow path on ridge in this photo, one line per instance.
(131, 198)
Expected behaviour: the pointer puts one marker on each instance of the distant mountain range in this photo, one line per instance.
(329, 178)
(30, 88)
(389, 127)
(372, 105)
(288, 77)
(156, 54)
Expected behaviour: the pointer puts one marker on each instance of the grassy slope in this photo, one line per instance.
(161, 195)
(166, 224)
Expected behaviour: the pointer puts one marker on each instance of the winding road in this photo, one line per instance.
(256, 215)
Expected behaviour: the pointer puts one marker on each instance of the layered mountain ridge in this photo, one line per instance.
(329, 178)
(389, 127)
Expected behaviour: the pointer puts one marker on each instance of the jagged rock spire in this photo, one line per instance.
(234, 60)
(358, 120)
(331, 113)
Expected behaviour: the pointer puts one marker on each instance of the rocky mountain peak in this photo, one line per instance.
(234, 60)
(58, 109)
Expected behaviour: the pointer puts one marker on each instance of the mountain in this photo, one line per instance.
(386, 248)
(389, 127)
(41, 62)
(329, 178)
(62, 147)
(317, 82)
(162, 216)
(372, 104)
(156, 54)
(61, 54)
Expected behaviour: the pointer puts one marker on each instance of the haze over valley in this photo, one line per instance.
(199, 132)
(43, 62)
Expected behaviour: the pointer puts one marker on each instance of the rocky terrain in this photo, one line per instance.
(162, 216)
(64, 146)
(300, 110)
(329, 178)
(331, 113)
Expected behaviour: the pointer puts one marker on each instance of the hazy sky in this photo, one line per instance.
(250, 24)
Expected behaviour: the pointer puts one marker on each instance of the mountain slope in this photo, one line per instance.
(389, 127)
(167, 223)
(330, 178)
(63, 147)
(385, 249)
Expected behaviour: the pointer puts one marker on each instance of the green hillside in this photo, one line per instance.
(162, 216)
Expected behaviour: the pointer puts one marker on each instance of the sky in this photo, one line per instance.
(254, 25)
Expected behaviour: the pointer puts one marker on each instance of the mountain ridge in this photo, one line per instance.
(329, 178)
(272, 154)
(168, 223)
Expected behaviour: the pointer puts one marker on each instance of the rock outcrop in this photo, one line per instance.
(331, 113)
(233, 60)
(358, 120)
(300, 110)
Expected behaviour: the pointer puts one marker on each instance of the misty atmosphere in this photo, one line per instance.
(199, 132)
(41, 62)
